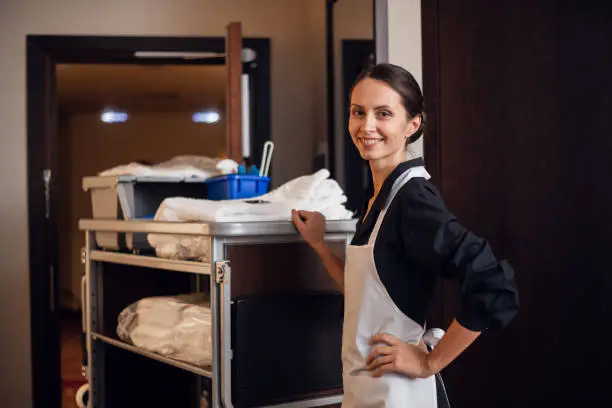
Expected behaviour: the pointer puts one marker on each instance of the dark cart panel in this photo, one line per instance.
(286, 348)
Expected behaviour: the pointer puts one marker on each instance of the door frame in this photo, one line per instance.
(44, 52)
(355, 57)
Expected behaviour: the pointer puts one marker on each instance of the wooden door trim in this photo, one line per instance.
(233, 100)
(431, 91)
(42, 234)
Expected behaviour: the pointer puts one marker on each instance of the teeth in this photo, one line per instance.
(369, 142)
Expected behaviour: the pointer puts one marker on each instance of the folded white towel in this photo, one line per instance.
(300, 187)
(190, 210)
(315, 192)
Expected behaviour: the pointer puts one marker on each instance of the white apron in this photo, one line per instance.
(369, 310)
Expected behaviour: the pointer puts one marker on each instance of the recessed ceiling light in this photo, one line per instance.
(111, 116)
(206, 117)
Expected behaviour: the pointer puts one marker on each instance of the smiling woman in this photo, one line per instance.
(406, 241)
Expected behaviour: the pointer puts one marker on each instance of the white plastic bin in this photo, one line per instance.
(133, 197)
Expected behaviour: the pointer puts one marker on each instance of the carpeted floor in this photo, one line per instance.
(72, 378)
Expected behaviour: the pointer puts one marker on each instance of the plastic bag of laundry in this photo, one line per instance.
(177, 327)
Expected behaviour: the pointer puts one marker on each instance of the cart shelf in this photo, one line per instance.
(205, 372)
(151, 262)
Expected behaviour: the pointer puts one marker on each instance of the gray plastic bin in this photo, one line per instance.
(133, 197)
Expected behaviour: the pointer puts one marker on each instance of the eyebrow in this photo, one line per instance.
(377, 107)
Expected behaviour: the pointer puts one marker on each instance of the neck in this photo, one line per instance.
(382, 168)
(380, 171)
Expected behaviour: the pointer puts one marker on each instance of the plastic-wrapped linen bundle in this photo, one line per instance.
(177, 327)
(180, 167)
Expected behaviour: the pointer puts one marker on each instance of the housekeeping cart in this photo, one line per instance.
(276, 317)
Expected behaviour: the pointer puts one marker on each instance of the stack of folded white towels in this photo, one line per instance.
(315, 192)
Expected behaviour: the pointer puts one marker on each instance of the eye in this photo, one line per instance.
(385, 114)
(357, 112)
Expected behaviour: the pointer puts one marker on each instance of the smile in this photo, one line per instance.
(369, 141)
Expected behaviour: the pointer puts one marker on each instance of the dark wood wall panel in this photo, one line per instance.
(522, 104)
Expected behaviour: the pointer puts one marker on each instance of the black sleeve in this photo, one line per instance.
(436, 241)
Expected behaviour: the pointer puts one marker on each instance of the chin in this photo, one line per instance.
(370, 155)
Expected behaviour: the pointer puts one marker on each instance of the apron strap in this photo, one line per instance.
(412, 172)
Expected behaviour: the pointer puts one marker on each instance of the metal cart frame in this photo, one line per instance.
(217, 268)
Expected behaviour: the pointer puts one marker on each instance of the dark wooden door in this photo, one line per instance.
(519, 101)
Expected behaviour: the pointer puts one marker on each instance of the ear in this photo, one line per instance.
(413, 125)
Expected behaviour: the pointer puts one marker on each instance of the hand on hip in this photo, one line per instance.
(390, 354)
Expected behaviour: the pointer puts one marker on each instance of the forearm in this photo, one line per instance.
(452, 344)
(333, 263)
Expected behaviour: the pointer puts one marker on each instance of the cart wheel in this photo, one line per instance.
(82, 396)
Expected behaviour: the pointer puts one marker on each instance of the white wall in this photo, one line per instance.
(404, 42)
(288, 23)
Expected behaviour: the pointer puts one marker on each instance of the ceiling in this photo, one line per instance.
(140, 88)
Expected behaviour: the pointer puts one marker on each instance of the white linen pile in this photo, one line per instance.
(177, 327)
(315, 192)
(180, 167)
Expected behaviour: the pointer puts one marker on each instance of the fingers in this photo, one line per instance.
(380, 361)
(379, 351)
(385, 338)
(297, 220)
(386, 368)
(306, 215)
(382, 358)
(303, 216)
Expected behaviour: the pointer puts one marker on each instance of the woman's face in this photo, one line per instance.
(379, 124)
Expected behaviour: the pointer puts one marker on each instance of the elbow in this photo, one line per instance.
(493, 303)
(485, 317)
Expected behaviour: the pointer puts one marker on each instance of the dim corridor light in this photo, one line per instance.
(109, 116)
(206, 117)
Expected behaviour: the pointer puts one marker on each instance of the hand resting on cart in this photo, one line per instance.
(311, 226)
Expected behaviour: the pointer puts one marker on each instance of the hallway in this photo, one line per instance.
(72, 378)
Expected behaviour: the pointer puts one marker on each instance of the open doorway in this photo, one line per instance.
(115, 114)
(94, 103)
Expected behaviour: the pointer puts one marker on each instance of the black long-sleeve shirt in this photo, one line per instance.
(420, 241)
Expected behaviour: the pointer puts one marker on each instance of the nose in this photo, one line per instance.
(369, 123)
